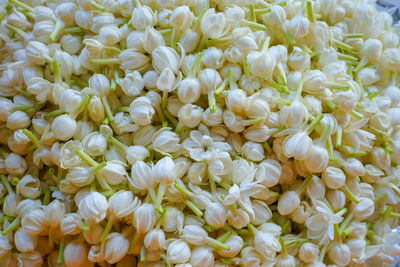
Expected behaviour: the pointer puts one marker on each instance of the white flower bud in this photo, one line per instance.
(216, 215)
(235, 244)
(368, 76)
(155, 240)
(262, 64)
(372, 49)
(297, 145)
(18, 120)
(357, 246)
(253, 151)
(238, 220)
(71, 44)
(143, 17)
(212, 24)
(15, 164)
(190, 115)
(202, 257)
(122, 204)
(163, 18)
(115, 247)
(333, 178)
(141, 110)
(336, 198)
(288, 202)
(261, 212)
(314, 82)
(364, 208)
(189, 90)
(354, 167)
(35, 223)
(93, 207)
(212, 58)
(75, 254)
(135, 41)
(133, 59)
(29, 187)
(70, 224)
(24, 242)
(37, 52)
(165, 57)
(31, 259)
(152, 39)
(5, 246)
(313, 104)
(308, 252)
(109, 35)
(178, 252)
(113, 173)
(298, 59)
(268, 172)
(181, 18)
(173, 220)
(267, 245)
(144, 218)
(339, 254)
(63, 127)
(166, 141)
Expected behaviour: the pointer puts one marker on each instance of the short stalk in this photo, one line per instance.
(108, 193)
(72, 30)
(331, 105)
(224, 237)
(338, 86)
(208, 228)
(107, 108)
(216, 244)
(247, 70)
(59, 177)
(304, 184)
(171, 118)
(253, 121)
(202, 43)
(314, 123)
(22, 5)
(325, 135)
(113, 86)
(282, 74)
(194, 208)
(16, 30)
(83, 227)
(86, 158)
(142, 256)
(356, 114)
(360, 65)
(24, 107)
(195, 66)
(347, 57)
(222, 86)
(283, 245)
(349, 194)
(160, 194)
(343, 46)
(15, 181)
(23, 92)
(339, 137)
(252, 229)
(11, 227)
(46, 197)
(265, 44)
(165, 260)
(165, 31)
(211, 101)
(288, 37)
(329, 147)
(183, 190)
(6, 184)
(309, 11)
(80, 81)
(267, 147)
(380, 197)
(107, 229)
(353, 35)
(254, 25)
(56, 30)
(282, 101)
(97, 6)
(286, 227)
(345, 223)
(123, 109)
(323, 251)
(32, 137)
(394, 215)
(117, 143)
(60, 258)
(173, 39)
(56, 70)
(98, 167)
(105, 61)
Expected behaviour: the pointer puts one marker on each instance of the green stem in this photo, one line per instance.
(107, 108)
(7, 185)
(24, 107)
(394, 215)
(173, 39)
(314, 123)
(165, 260)
(46, 197)
(198, 20)
(345, 223)
(252, 229)
(282, 74)
(59, 177)
(211, 101)
(79, 81)
(98, 167)
(16, 30)
(360, 65)
(97, 6)
(107, 229)
(353, 35)
(343, 46)
(195, 66)
(83, 227)
(194, 208)
(105, 61)
(108, 193)
(309, 11)
(338, 86)
(286, 227)
(254, 25)
(71, 30)
(380, 197)
(252, 13)
(222, 238)
(222, 86)
(165, 31)
(23, 92)
(282, 101)
(142, 257)
(86, 158)
(331, 105)
(339, 137)
(265, 44)
(349, 194)
(123, 109)
(60, 258)
(288, 37)
(323, 251)
(347, 57)
(56, 70)
(15, 181)
(57, 28)
(304, 184)
(283, 245)
(32, 137)
(53, 114)
(183, 190)
(11, 227)
(117, 143)
(216, 244)
(202, 43)
(22, 5)
(160, 194)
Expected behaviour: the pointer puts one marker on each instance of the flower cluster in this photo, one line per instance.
(204, 133)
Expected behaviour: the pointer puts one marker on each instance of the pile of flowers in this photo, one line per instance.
(199, 133)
